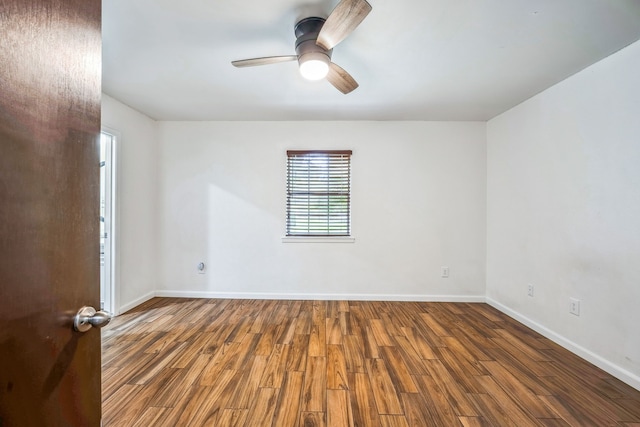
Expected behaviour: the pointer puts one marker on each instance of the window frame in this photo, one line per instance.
(293, 197)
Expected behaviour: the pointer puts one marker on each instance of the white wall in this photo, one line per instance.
(418, 202)
(136, 203)
(564, 212)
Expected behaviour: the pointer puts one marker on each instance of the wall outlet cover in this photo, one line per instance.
(574, 306)
(201, 268)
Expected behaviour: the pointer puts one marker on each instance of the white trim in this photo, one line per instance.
(128, 306)
(115, 218)
(611, 368)
(322, 297)
(328, 239)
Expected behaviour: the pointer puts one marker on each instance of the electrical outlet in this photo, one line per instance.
(574, 306)
(444, 271)
(201, 268)
(530, 290)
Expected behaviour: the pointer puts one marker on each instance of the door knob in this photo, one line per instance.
(88, 317)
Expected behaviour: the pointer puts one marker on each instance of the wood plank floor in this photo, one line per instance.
(196, 362)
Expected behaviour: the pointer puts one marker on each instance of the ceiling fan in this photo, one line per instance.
(315, 39)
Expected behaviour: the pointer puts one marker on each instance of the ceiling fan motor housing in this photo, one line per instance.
(306, 32)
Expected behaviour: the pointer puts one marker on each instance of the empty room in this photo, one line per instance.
(324, 213)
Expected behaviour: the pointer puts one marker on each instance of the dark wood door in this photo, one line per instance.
(49, 187)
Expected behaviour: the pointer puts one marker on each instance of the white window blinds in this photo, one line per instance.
(318, 193)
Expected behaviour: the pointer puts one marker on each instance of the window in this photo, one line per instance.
(318, 193)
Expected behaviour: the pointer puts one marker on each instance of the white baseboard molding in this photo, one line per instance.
(314, 296)
(128, 306)
(615, 370)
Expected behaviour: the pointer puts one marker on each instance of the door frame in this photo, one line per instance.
(114, 282)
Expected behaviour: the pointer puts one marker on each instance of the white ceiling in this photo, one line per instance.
(413, 59)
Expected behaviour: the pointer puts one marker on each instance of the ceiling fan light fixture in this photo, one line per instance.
(315, 40)
(314, 65)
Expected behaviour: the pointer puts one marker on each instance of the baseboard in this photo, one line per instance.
(128, 306)
(314, 296)
(615, 370)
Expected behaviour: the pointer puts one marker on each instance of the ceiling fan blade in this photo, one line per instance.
(347, 15)
(254, 62)
(340, 79)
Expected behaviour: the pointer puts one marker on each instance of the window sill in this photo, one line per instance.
(319, 239)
